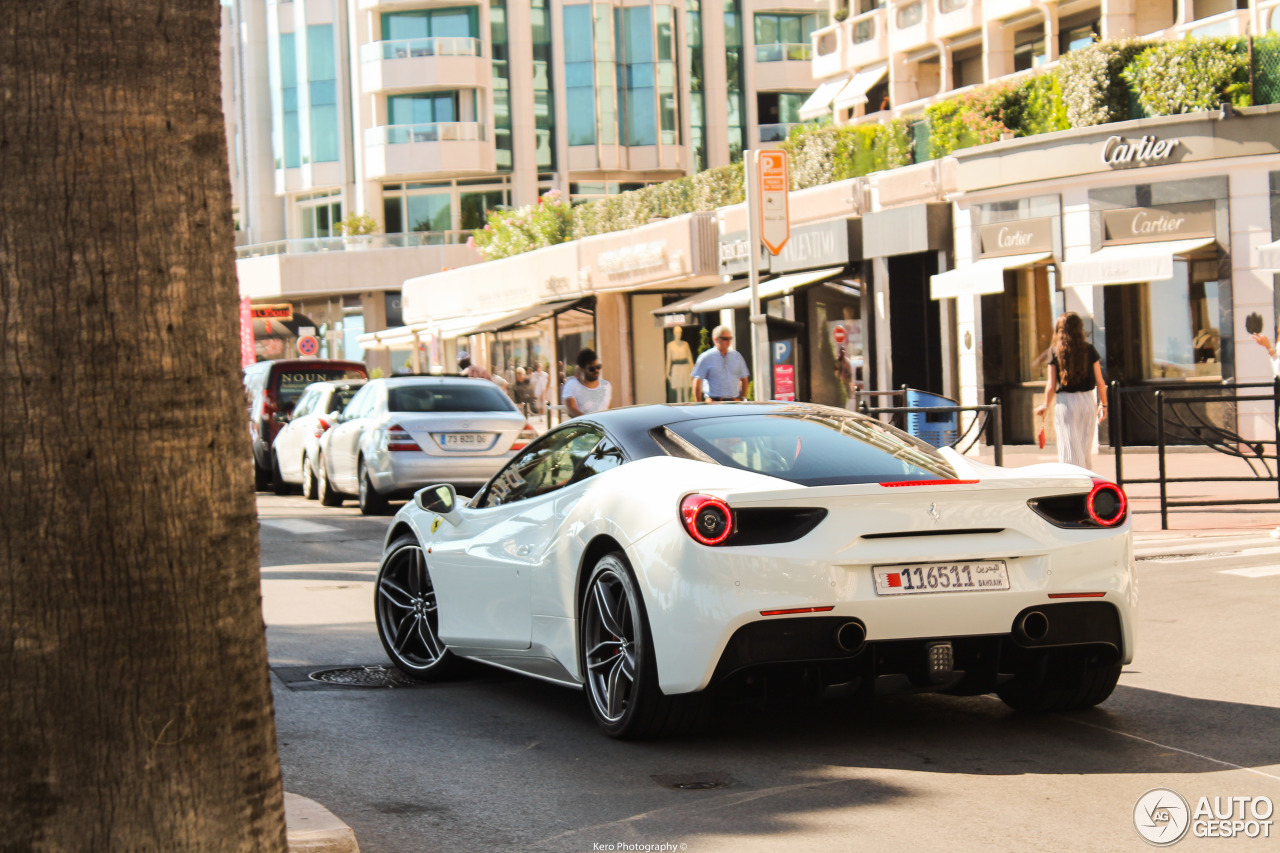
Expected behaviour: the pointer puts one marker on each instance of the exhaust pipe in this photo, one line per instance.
(851, 637)
(1033, 626)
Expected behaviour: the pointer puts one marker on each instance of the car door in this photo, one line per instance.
(288, 446)
(344, 439)
(483, 568)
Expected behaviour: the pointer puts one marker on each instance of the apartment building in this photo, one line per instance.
(893, 57)
(424, 115)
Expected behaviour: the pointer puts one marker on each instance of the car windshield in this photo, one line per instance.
(826, 449)
(447, 398)
(293, 382)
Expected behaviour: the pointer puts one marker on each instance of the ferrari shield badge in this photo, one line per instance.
(435, 524)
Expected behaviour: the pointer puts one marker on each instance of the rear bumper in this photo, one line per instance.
(402, 473)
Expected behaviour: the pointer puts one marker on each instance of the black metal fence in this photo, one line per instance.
(1179, 418)
(988, 421)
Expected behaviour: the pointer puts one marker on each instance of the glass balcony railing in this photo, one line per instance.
(784, 52)
(864, 28)
(412, 48)
(777, 132)
(439, 131)
(364, 241)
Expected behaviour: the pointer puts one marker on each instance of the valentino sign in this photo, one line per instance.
(1118, 151)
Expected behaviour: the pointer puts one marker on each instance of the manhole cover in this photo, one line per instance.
(695, 781)
(1171, 558)
(363, 676)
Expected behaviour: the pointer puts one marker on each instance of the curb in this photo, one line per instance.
(312, 828)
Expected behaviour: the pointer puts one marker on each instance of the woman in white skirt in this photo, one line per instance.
(1075, 382)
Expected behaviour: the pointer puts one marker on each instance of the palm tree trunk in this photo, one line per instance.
(135, 704)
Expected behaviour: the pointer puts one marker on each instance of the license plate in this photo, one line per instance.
(972, 576)
(466, 439)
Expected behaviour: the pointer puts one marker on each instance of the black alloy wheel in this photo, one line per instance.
(618, 660)
(371, 500)
(407, 613)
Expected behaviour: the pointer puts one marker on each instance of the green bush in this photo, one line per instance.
(1191, 75)
(513, 232)
(1045, 110)
(1092, 86)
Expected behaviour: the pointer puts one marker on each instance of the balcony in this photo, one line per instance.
(351, 244)
(1235, 23)
(956, 17)
(390, 5)
(911, 26)
(417, 64)
(868, 39)
(777, 132)
(439, 148)
(1004, 9)
(784, 52)
(828, 53)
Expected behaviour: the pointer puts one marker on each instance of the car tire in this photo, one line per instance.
(261, 478)
(310, 489)
(1065, 683)
(618, 661)
(329, 496)
(371, 500)
(278, 485)
(405, 609)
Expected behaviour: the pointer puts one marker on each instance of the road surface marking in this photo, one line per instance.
(1253, 572)
(298, 526)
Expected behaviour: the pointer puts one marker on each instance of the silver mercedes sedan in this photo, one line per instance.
(402, 433)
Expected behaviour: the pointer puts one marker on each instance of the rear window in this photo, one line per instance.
(815, 450)
(340, 398)
(291, 383)
(447, 398)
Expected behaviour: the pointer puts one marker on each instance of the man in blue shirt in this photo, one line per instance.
(721, 373)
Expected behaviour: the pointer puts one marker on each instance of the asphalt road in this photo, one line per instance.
(497, 762)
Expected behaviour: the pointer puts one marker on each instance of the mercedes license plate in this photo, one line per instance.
(972, 576)
(467, 439)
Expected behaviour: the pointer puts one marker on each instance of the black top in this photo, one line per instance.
(1088, 383)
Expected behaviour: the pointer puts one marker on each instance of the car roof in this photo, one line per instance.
(431, 379)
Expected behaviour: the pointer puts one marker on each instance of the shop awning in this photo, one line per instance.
(773, 287)
(1269, 257)
(1127, 264)
(856, 91)
(982, 276)
(398, 336)
(526, 316)
(819, 103)
(685, 306)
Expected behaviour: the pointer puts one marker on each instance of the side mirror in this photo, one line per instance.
(440, 499)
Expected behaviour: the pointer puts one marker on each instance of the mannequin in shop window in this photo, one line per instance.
(679, 367)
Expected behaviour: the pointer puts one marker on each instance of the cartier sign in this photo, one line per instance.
(1119, 151)
(1016, 238)
(1144, 224)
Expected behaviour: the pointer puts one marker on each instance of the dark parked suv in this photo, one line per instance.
(273, 388)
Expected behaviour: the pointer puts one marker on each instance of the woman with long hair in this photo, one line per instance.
(1075, 382)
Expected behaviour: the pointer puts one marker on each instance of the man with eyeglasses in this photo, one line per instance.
(721, 373)
(590, 393)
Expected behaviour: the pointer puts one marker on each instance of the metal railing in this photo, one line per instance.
(363, 241)
(1175, 418)
(436, 131)
(784, 52)
(989, 420)
(420, 47)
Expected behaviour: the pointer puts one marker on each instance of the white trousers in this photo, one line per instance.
(1075, 418)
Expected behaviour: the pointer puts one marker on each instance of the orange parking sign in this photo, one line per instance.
(775, 218)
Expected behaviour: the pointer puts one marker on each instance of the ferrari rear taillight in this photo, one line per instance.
(708, 520)
(1106, 504)
(526, 435)
(398, 438)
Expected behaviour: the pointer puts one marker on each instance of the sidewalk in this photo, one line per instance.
(1144, 499)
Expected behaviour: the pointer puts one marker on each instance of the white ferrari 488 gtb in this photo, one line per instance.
(649, 554)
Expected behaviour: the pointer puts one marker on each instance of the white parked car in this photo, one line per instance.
(401, 433)
(297, 445)
(650, 553)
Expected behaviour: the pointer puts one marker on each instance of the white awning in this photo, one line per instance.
(1128, 264)
(1269, 257)
(856, 91)
(400, 336)
(985, 275)
(819, 103)
(767, 289)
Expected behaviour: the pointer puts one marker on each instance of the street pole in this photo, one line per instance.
(759, 331)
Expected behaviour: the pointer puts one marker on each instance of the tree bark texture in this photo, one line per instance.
(135, 706)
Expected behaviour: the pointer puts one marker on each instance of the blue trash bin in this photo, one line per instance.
(940, 429)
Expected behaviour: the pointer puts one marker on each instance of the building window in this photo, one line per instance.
(967, 67)
(498, 37)
(322, 88)
(1077, 33)
(636, 75)
(320, 214)
(697, 89)
(476, 205)
(945, 6)
(782, 37)
(909, 15)
(579, 74)
(430, 23)
(777, 113)
(1028, 49)
(734, 78)
(543, 97)
(289, 100)
(417, 207)
(864, 30)
(422, 108)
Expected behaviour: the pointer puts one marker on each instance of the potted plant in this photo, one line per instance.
(356, 228)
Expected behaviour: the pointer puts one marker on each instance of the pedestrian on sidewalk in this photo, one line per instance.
(590, 393)
(1265, 342)
(720, 373)
(1075, 382)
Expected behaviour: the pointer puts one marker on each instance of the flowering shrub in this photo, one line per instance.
(1092, 88)
(974, 118)
(356, 224)
(1191, 75)
(511, 232)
